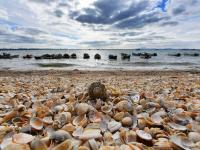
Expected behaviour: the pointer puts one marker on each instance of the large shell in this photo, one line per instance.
(97, 90)
(144, 137)
(119, 116)
(15, 146)
(22, 138)
(36, 123)
(177, 126)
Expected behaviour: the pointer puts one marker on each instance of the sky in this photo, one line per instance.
(100, 24)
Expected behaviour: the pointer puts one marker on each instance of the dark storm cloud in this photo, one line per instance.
(108, 11)
(140, 21)
(179, 10)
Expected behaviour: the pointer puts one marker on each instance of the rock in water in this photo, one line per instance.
(97, 90)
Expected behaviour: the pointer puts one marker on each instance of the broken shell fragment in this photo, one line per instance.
(80, 121)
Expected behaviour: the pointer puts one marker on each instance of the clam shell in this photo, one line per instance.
(91, 134)
(22, 138)
(127, 121)
(194, 136)
(177, 141)
(114, 126)
(82, 109)
(177, 126)
(69, 128)
(144, 137)
(124, 106)
(80, 121)
(36, 123)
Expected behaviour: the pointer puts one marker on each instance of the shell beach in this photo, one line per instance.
(79, 110)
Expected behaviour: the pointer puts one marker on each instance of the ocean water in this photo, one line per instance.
(160, 62)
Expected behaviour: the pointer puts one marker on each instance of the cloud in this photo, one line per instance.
(178, 10)
(58, 13)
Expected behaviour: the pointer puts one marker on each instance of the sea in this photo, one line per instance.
(160, 62)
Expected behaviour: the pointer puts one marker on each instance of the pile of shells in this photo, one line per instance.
(98, 117)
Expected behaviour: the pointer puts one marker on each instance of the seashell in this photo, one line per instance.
(58, 108)
(108, 139)
(82, 109)
(91, 134)
(17, 121)
(66, 145)
(182, 119)
(124, 106)
(107, 148)
(64, 117)
(80, 121)
(194, 137)
(69, 128)
(95, 116)
(36, 123)
(97, 90)
(15, 146)
(127, 121)
(162, 145)
(177, 126)
(114, 126)
(8, 116)
(177, 142)
(26, 129)
(156, 119)
(38, 145)
(130, 136)
(141, 123)
(22, 138)
(78, 132)
(119, 116)
(47, 120)
(60, 136)
(106, 109)
(83, 148)
(144, 137)
(139, 108)
(93, 144)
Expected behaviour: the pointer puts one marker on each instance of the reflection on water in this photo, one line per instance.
(162, 61)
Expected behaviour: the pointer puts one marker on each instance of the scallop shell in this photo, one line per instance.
(22, 138)
(80, 121)
(97, 90)
(114, 126)
(36, 123)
